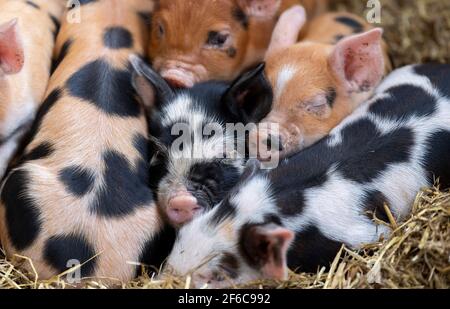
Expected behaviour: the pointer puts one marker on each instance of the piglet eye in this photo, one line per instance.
(161, 30)
(217, 39)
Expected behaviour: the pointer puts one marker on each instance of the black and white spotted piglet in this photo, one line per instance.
(299, 214)
(198, 163)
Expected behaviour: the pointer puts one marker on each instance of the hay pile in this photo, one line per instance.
(418, 253)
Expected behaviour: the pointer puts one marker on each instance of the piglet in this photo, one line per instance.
(201, 40)
(301, 213)
(318, 81)
(27, 38)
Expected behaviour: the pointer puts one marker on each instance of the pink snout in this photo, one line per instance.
(179, 78)
(182, 208)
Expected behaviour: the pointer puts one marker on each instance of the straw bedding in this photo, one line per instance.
(417, 255)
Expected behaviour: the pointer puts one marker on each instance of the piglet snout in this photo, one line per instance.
(182, 208)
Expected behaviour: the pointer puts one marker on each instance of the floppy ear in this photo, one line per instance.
(287, 29)
(266, 249)
(149, 85)
(358, 61)
(250, 96)
(11, 49)
(264, 9)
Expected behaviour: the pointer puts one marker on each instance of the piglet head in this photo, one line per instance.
(315, 87)
(195, 41)
(11, 50)
(224, 254)
(194, 169)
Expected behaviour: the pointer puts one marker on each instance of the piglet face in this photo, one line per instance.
(315, 87)
(196, 41)
(223, 254)
(201, 154)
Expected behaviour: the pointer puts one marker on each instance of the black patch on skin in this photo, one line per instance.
(78, 180)
(125, 188)
(41, 151)
(146, 17)
(438, 74)
(56, 23)
(22, 214)
(374, 205)
(117, 38)
(379, 153)
(331, 96)
(62, 54)
(157, 250)
(229, 265)
(231, 52)
(107, 88)
(356, 26)
(241, 17)
(141, 144)
(437, 158)
(46, 106)
(210, 181)
(61, 249)
(311, 250)
(405, 102)
(81, 2)
(32, 4)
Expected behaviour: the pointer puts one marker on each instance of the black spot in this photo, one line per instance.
(439, 75)
(157, 250)
(231, 52)
(210, 182)
(146, 17)
(141, 144)
(81, 2)
(356, 26)
(63, 249)
(41, 151)
(22, 213)
(46, 106)
(374, 205)
(331, 96)
(56, 24)
(125, 188)
(437, 158)
(62, 54)
(106, 87)
(241, 17)
(78, 180)
(117, 37)
(311, 250)
(376, 154)
(34, 5)
(405, 102)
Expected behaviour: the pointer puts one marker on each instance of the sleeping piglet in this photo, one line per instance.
(201, 40)
(320, 80)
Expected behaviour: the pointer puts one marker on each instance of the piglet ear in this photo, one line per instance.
(287, 29)
(11, 49)
(266, 249)
(149, 85)
(250, 96)
(264, 9)
(358, 61)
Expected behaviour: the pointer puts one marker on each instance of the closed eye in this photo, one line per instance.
(217, 39)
